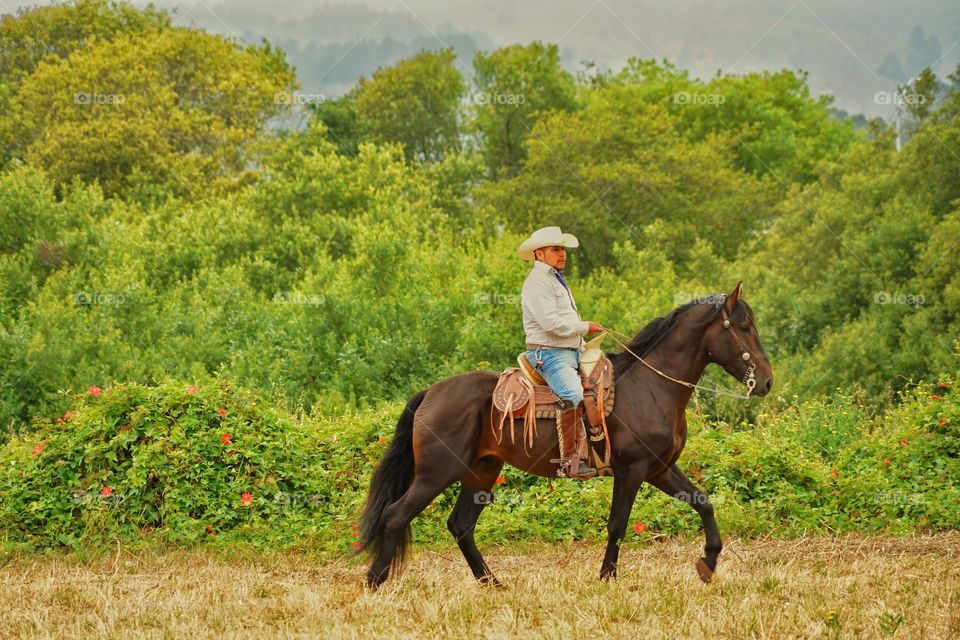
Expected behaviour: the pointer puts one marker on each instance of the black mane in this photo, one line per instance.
(650, 335)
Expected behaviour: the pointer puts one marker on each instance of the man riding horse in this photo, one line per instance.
(554, 333)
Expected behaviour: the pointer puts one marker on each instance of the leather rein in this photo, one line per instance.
(748, 379)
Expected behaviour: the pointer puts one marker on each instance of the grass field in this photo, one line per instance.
(854, 587)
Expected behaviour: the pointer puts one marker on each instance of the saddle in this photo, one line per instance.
(521, 392)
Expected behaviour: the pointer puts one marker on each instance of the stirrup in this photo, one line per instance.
(585, 472)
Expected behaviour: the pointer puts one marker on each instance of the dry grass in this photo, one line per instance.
(763, 589)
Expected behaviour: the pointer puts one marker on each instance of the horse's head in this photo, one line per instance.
(733, 343)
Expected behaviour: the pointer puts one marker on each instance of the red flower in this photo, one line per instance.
(210, 530)
(37, 449)
(59, 420)
(66, 416)
(501, 480)
(834, 473)
(192, 389)
(944, 385)
(759, 466)
(246, 498)
(106, 492)
(222, 412)
(935, 397)
(226, 438)
(903, 442)
(640, 527)
(943, 422)
(356, 547)
(93, 390)
(887, 461)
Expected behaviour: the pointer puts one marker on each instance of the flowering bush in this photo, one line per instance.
(205, 462)
(174, 461)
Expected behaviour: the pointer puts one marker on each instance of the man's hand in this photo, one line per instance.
(594, 328)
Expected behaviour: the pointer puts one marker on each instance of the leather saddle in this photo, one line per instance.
(517, 386)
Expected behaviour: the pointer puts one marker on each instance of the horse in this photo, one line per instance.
(443, 436)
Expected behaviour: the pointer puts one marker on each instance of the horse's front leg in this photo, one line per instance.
(626, 483)
(674, 483)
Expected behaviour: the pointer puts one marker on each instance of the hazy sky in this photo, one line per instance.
(851, 48)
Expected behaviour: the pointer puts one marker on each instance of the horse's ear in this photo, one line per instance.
(734, 297)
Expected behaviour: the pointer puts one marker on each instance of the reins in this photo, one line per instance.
(748, 379)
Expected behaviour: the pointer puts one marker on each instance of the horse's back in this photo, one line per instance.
(464, 395)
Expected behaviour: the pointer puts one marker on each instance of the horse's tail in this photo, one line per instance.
(392, 477)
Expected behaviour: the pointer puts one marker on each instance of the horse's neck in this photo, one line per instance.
(679, 355)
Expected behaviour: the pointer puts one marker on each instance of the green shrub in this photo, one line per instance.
(173, 462)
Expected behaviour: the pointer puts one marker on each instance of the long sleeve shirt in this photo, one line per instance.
(550, 316)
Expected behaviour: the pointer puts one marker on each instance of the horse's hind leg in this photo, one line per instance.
(397, 518)
(675, 484)
(474, 495)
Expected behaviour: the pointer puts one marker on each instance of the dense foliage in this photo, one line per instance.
(206, 462)
(157, 224)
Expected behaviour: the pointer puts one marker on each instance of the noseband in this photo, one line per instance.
(748, 379)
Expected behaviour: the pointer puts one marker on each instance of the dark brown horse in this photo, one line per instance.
(444, 435)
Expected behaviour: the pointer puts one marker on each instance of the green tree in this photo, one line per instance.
(341, 122)
(58, 30)
(514, 87)
(415, 102)
(172, 108)
(620, 169)
(773, 124)
(920, 95)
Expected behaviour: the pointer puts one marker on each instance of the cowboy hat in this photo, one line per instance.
(546, 237)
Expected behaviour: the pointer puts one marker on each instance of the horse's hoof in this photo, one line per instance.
(607, 576)
(704, 571)
(490, 581)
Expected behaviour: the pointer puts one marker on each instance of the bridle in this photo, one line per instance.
(748, 379)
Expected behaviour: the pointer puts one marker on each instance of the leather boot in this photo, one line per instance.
(574, 435)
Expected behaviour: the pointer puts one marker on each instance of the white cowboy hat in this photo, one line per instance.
(546, 237)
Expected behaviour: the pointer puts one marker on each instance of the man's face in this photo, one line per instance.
(554, 256)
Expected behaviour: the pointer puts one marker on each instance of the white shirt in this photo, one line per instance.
(550, 315)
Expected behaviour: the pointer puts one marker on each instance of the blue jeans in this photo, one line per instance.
(560, 370)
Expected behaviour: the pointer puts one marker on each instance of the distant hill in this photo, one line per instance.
(852, 50)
